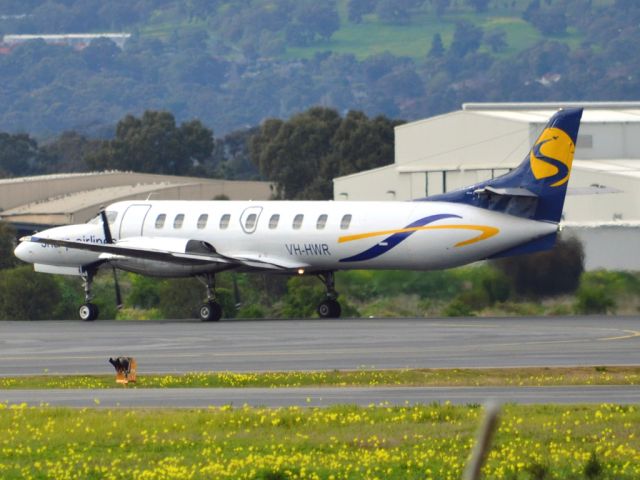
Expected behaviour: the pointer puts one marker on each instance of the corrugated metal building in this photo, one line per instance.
(34, 203)
(481, 141)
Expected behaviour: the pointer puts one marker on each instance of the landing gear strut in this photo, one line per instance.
(210, 311)
(329, 307)
(88, 311)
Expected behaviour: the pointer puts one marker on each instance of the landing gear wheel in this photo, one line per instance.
(329, 309)
(210, 312)
(88, 312)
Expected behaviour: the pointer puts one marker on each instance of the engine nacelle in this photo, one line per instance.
(163, 269)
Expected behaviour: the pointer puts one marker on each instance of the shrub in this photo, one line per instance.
(458, 308)
(250, 311)
(303, 296)
(594, 299)
(27, 295)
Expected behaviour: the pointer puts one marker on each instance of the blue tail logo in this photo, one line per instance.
(551, 157)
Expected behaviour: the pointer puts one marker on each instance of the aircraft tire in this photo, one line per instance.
(329, 309)
(210, 312)
(88, 312)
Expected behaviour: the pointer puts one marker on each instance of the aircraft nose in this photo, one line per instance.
(24, 250)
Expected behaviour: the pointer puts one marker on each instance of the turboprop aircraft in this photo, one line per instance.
(513, 214)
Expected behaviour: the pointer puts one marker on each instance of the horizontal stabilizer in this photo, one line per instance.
(513, 192)
(592, 190)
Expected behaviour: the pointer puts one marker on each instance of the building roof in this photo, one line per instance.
(594, 112)
(75, 198)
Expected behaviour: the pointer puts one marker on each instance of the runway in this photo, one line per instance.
(66, 347)
(318, 397)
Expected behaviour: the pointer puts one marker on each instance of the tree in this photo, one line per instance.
(358, 8)
(101, 53)
(466, 39)
(153, 143)
(19, 154)
(392, 11)
(312, 20)
(292, 154)
(437, 48)
(68, 152)
(441, 6)
(553, 272)
(496, 40)
(479, 5)
(7, 245)
(304, 154)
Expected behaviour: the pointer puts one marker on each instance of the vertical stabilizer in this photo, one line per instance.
(537, 188)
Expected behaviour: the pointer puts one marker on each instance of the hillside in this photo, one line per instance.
(233, 64)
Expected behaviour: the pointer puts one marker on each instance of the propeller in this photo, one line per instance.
(105, 225)
(109, 239)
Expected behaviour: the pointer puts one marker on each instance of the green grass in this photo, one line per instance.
(373, 36)
(535, 376)
(406, 442)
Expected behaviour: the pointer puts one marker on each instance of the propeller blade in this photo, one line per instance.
(236, 291)
(105, 225)
(117, 287)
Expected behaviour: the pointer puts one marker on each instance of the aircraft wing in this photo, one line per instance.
(175, 251)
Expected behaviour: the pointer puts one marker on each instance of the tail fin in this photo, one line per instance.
(537, 188)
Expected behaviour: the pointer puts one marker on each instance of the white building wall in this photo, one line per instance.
(460, 138)
(382, 183)
(613, 247)
(605, 207)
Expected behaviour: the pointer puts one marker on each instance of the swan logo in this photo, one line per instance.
(551, 157)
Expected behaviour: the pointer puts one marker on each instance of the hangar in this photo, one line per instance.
(35, 203)
(485, 140)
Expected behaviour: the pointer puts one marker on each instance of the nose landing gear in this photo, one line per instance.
(329, 307)
(211, 310)
(88, 311)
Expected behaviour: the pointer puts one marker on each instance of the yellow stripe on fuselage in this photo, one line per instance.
(485, 232)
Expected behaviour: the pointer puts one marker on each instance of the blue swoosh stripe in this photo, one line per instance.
(393, 240)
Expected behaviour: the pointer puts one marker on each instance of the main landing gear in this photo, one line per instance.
(88, 311)
(210, 311)
(329, 307)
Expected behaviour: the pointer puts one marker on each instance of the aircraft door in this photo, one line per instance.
(249, 219)
(133, 220)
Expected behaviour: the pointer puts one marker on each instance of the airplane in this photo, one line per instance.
(513, 214)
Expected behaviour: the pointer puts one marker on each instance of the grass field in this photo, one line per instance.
(411, 442)
(535, 376)
(373, 36)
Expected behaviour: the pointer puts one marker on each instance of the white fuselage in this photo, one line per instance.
(313, 235)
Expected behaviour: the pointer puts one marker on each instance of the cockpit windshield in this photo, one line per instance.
(111, 218)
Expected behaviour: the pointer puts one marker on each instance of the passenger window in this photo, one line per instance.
(297, 221)
(345, 222)
(202, 221)
(273, 221)
(160, 220)
(224, 221)
(322, 222)
(250, 222)
(178, 221)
